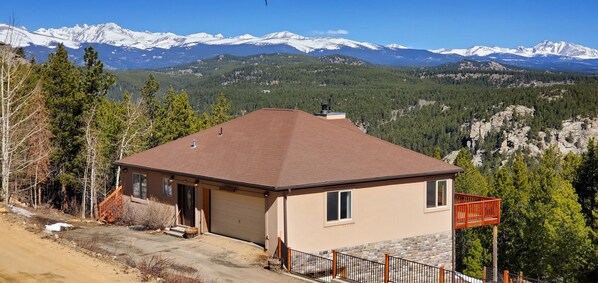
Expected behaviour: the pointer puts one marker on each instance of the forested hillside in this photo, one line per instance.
(419, 108)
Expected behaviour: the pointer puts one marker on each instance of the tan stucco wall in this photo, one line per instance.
(380, 212)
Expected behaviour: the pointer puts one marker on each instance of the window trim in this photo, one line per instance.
(339, 221)
(436, 207)
(140, 196)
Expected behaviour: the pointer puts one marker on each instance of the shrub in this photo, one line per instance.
(153, 215)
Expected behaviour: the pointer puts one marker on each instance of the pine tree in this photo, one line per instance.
(220, 110)
(96, 81)
(152, 107)
(471, 181)
(148, 94)
(62, 83)
(176, 118)
(437, 153)
(477, 257)
(557, 237)
(586, 184)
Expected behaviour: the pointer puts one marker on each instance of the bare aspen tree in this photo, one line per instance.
(17, 92)
(136, 128)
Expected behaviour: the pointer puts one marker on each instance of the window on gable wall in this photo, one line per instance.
(338, 205)
(139, 186)
(436, 192)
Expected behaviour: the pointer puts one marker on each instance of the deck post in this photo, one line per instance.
(505, 278)
(289, 259)
(386, 269)
(441, 278)
(484, 274)
(279, 252)
(495, 253)
(333, 264)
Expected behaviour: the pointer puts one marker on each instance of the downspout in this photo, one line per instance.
(453, 257)
(266, 226)
(286, 233)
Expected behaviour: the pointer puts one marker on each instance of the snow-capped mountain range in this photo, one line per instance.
(543, 48)
(143, 49)
(113, 34)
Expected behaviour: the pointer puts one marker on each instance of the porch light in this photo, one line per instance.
(196, 182)
(266, 194)
(171, 179)
(125, 169)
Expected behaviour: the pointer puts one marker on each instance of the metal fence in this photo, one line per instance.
(309, 265)
(359, 269)
(394, 269)
(402, 270)
(518, 278)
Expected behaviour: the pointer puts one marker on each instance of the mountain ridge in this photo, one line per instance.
(126, 49)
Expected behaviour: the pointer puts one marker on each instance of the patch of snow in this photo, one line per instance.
(57, 227)
(21, 211)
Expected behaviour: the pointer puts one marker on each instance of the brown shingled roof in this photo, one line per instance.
(287, 149)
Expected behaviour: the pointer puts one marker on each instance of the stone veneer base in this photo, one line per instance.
(432, 249)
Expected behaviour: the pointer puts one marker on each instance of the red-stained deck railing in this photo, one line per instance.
(473, 211)
(112, 206)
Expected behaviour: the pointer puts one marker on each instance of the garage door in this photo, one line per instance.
(238, 216)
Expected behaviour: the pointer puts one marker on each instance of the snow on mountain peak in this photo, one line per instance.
(543, 48)
(283, 35)
(395, 46)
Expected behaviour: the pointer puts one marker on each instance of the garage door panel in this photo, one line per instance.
(238, 216)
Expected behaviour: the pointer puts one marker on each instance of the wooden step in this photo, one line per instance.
(179, 228)
(175, 233)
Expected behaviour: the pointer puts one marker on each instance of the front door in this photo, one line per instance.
(186, 196)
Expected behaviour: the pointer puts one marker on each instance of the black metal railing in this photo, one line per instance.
(519, 278)
(359, 269)
(309, 265)
(402, 270)
(394, 269)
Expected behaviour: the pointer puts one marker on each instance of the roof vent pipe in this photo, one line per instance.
(194, 144)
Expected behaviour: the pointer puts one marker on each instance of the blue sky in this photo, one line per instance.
(418, 24)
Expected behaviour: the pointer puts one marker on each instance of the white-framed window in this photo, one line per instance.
(338, 205)
(167, 184)
(436, 192)
(139, 186)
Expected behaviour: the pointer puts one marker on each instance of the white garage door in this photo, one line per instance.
(238, 216)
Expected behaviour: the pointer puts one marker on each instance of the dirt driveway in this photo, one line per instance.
(212, 258)
(26, 257)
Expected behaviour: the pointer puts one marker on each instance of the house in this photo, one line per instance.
(315, 181)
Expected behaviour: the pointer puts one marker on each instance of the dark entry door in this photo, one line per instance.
(187, 204)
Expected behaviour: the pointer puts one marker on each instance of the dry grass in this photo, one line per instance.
(154, 215)
(157, 266)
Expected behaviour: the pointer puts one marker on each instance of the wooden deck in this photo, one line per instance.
(473, 211)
